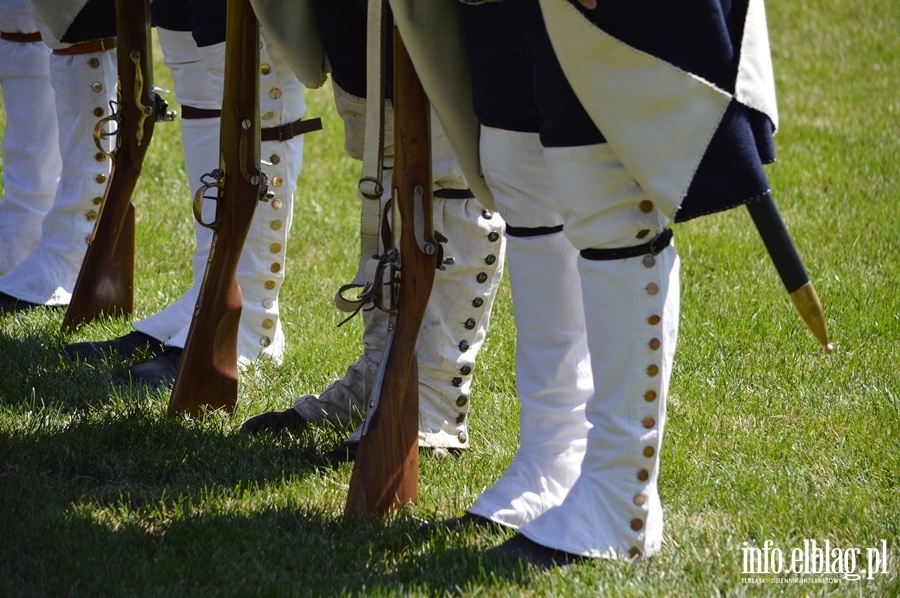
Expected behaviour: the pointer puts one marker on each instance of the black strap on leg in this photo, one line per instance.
(281, 133)
(652, 247)
(535, 231)
(291, 130)
(448, 193)
(194, 113)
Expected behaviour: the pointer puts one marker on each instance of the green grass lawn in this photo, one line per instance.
(768, 439)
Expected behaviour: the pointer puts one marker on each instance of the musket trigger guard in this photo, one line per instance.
(210, 180)
(372, 292)
(100, 134)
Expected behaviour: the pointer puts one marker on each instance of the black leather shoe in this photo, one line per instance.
(520, 548)
(456, 523)
(11, 305)
(346, 453)
(126, 346)
(159, 371)
(274, 421)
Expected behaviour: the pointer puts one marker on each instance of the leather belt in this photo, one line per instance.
(21, 38)
(98, 45)
(652, 247)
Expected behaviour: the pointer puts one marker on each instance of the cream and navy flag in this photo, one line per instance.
(683, 91)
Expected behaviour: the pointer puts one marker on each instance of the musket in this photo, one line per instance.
(105, 284)
(207, 373)
(790, 268)
(385, 470)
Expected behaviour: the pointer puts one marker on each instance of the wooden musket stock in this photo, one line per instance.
(105, 284)
(385, 472)
(207, 374)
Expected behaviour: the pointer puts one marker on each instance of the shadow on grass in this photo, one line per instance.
(102, 493)
(129, 504)
(37, 373)
(269, 552)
